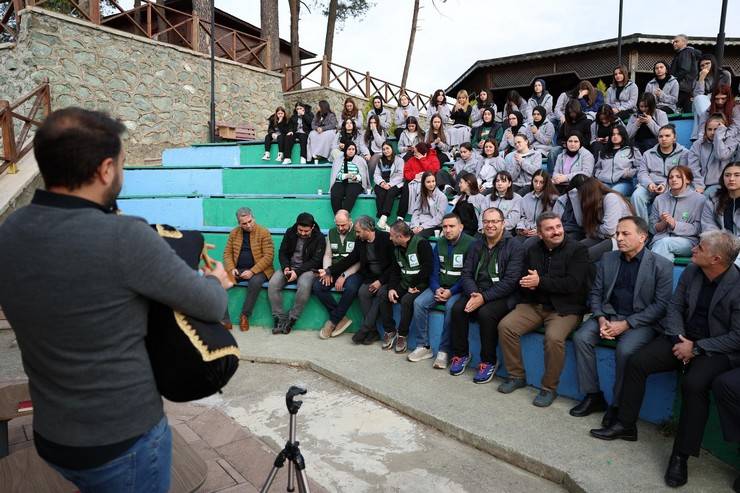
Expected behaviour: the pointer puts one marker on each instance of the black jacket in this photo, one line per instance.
(293, 122)
(567, 282)
(384, 249)
(313, 249)
(684, 67)
(426, 262)
(273, 126)
(510, 264)
(583, 125)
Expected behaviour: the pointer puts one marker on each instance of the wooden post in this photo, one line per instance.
(368, 86)
(287, 77)
(194, 34)
(94, 11)
(6, 124)
(633, 60)
(149, 20)
(324, 72)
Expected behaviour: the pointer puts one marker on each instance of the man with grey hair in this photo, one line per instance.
(701, 337)
(248, 256)
(340, 242)
(684, 68)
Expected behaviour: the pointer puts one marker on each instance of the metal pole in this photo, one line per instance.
(721, 35)
(212, 123)
(619, 35)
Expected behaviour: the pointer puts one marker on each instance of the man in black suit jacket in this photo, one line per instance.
(701, 337)
(629, 297)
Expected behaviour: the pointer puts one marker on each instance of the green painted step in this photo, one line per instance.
(294, 180)
(276, 212)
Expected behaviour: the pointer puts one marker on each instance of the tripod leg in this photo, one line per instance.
(302, 480)
(279, 462)
(291, 469)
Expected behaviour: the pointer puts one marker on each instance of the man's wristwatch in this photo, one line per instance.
(696, 350)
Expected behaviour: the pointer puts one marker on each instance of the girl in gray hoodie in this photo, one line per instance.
(722, 211)
(710, 154)
(574, 160)
(404, 110)
(616, 164)
(428, 211)
(664, 87)
(492, 163)
(506, 200)
(522, 164)
(601, 210)
(675, 219)
(621, 95)
(382, 112)
(643, 126)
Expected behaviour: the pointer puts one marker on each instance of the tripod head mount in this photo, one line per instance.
(293, 392)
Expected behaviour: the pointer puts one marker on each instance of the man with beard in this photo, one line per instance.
(76, 288)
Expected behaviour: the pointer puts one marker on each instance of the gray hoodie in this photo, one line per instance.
(532, 102)
(583, 164)
(444, 112)
(522, 172)
(615, 208)
(338, 164)
(669, 96)
(627, 100)
(559, 110)
(432, 217)
(711, 221)
(543, 139)
(707, 159)
(530, 207)
(376, 143)
(476, 116)
(385, 117)
(659, 119)
(396, 178)
(621, 166)
(654, 169)
(686, 209)
(488, 170)
(359, 141)
(472, 165)
(511, 208)
(400, 119)
(406, 140)
(575, 202)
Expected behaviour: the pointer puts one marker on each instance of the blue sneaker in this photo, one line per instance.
(485, 372)
(459, 363)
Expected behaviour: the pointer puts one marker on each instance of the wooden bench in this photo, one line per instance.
(24, 471)
(229, 131)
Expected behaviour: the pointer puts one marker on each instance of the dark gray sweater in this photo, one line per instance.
(74, 286)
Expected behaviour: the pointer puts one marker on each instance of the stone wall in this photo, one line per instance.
(335, 98)
(160, 92)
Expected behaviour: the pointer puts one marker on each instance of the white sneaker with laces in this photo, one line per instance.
(440, 361)
(287, 161)
(266, 156)
(420, 353)
(303, 160)
(279, 156)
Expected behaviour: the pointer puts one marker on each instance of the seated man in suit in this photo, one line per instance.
(701, 338)
(726, 388)
(629, 297)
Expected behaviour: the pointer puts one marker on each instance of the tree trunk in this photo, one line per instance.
(410, 49)
(270, 33)
(331, 22)
(295, 48)
(202, 9)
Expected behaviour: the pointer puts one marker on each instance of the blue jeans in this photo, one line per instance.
(422, 305)
(672, 246)
(625, 187)
(642, 199)
(552, 158)
(144, 468)
(337, 311)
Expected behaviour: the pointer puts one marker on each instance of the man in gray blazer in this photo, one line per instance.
(632, 289)
(701, 338)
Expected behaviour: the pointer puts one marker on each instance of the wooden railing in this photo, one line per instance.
(157, 22)
(322, 73)
(15, 146)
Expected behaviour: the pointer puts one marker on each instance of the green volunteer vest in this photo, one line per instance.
(340, 249)
(409, 263)
(450, 268)
(492, 265)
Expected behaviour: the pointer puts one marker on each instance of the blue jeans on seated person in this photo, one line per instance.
(672, 247)
(625, 187)
(641, 200)
(422, 306)
(552, 158)
(337, 311)
(144, 468)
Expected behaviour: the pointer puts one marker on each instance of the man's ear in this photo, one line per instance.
(107, 171)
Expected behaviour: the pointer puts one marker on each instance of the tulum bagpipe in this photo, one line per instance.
(191, 359)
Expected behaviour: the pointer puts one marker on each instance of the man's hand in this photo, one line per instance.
(219, 273)
(392, 296)
(442, 295)
(325, 277)
(683, 350)
(413, 290)
(235, 273)
(476, 301)
(374, 286)
(417, 229)
(339, 285)
(290, 275)
(614, 329)
(603, 327)
(247, 274)
(530, 281)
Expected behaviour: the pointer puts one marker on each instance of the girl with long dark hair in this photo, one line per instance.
(643, 126)
(426, 216)
(349, 178)
(352, 112)
(277, 127)
(483, 101)
(710, 76)
(438, 105)
(492, 164)
(349, 134)
(388, 179)
(722, 210)
(602, 208)
(404, 110)
(621, 96)
(664, 87)
(711, 153)
(617, 163)
(321, 138)
(374, 139)
(437, 139)
(541, 199)
(508, 202)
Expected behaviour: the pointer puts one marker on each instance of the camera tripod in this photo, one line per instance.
(291, 452)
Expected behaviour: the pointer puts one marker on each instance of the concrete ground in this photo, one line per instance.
(350, 442)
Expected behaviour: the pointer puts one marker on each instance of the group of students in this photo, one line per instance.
(512, 290)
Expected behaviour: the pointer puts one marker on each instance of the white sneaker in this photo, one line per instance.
(382, 222)
(303, 160)
(287, 161)
(420, 353)
(266, 157)
(279, 156)
(440, 361)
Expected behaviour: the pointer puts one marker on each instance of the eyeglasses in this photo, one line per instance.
(493, 221)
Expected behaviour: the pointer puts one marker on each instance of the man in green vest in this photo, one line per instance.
(409, 278)
(444, 288)
(340, 242)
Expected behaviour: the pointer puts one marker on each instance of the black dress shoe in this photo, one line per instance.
(371, 338)
(618, 430)
(359, 336)
(592, 403)
(677, 473)
(610, 417)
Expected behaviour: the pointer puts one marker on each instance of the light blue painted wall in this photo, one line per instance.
(141, 182)
(184, 213)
